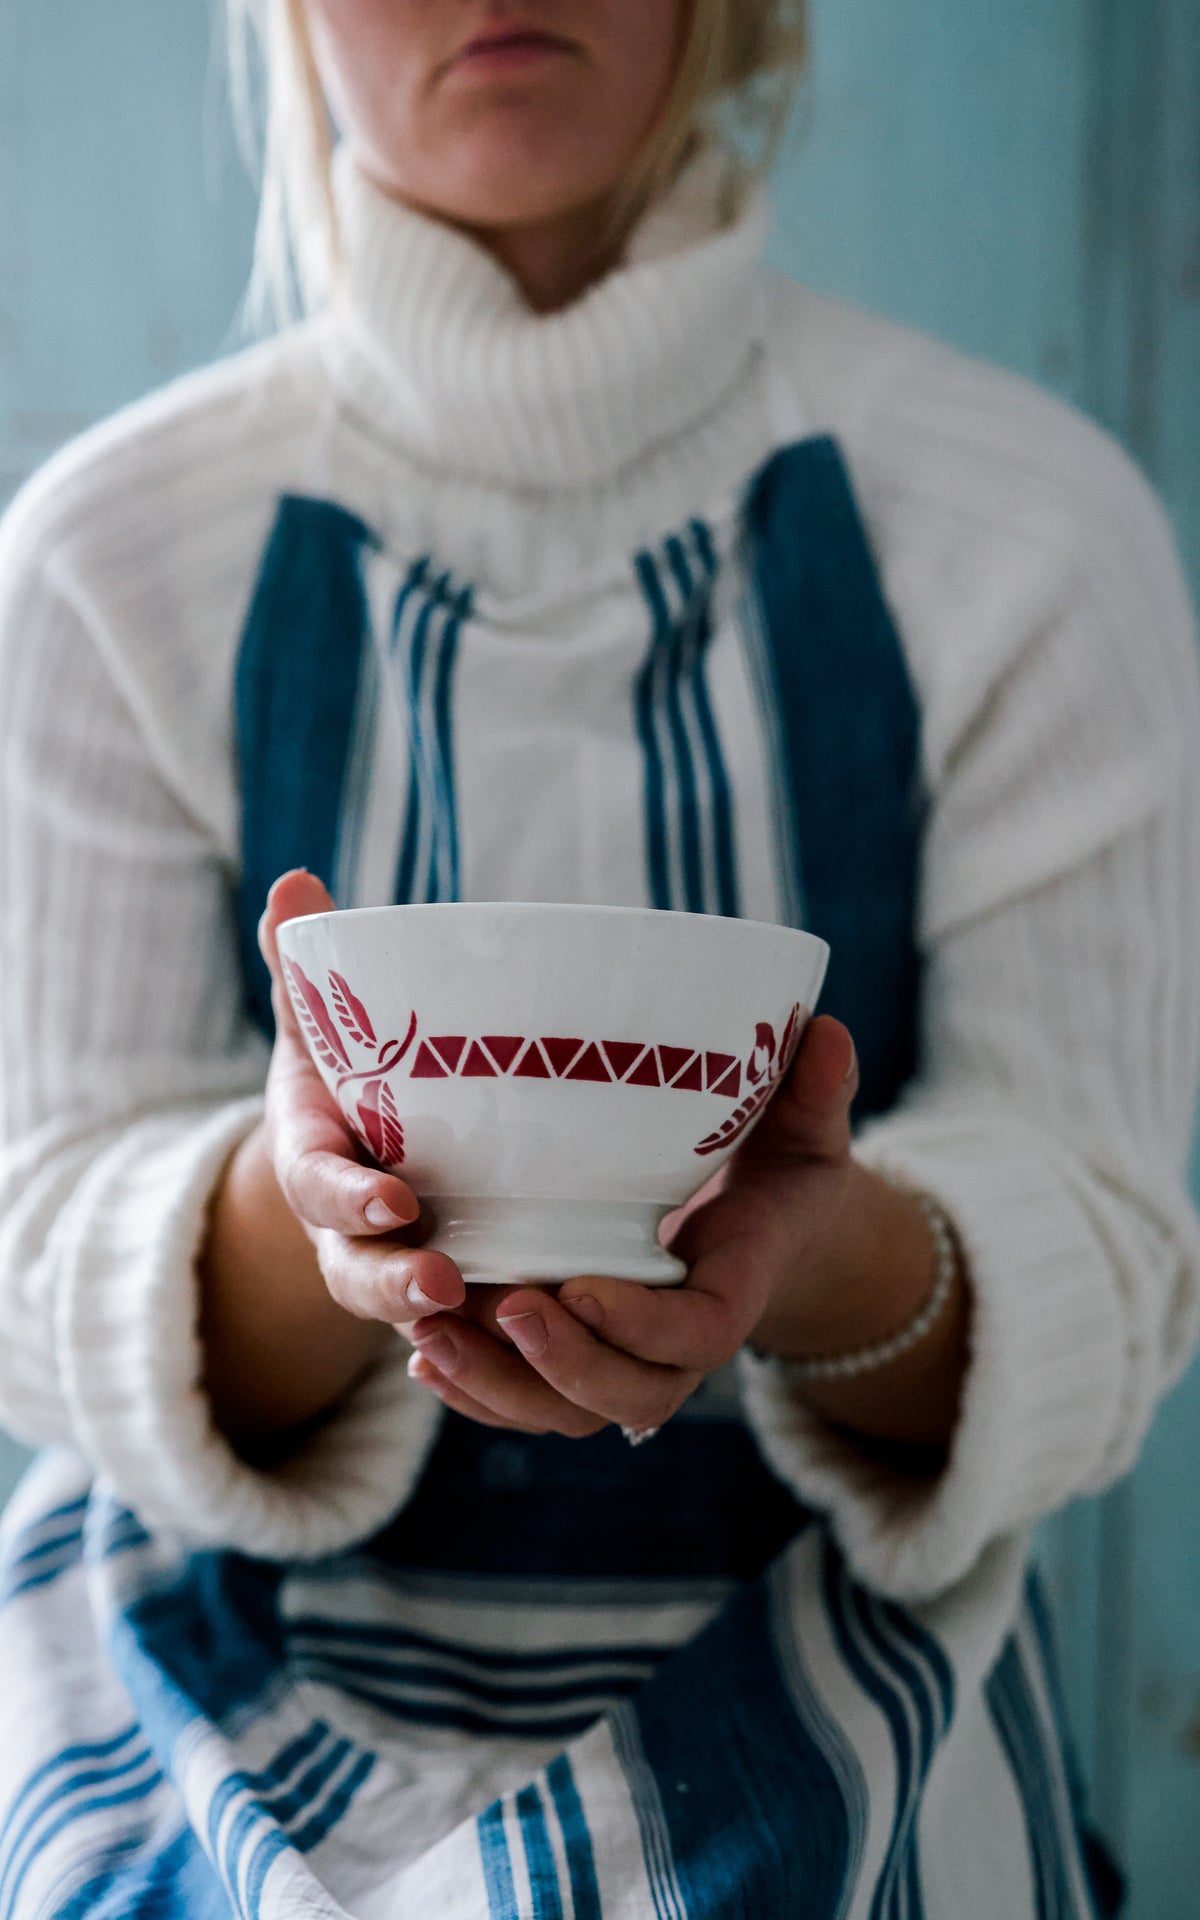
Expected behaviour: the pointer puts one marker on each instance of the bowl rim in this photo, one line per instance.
(571, 909)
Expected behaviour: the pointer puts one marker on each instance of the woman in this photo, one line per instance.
(564, 555)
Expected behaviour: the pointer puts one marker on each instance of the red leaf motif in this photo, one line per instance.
(764, 1050)
(313, 1015)
(737, 1123)
(393, 1051)
(393, 1133)
(763, 1053)
(351, 1011)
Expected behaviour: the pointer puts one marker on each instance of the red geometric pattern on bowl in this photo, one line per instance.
(632, 1063)
(369, 1104)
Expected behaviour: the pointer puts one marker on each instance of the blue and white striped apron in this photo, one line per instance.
(570, 1681)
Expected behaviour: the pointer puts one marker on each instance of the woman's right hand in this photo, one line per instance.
(312, 1256)
(351, 1212)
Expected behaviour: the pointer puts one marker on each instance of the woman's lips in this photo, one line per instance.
(517, 47)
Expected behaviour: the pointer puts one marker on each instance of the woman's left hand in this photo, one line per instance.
(762, 1241)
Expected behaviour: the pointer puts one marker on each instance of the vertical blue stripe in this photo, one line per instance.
(856, 1630)
(247, 1821)
(645, 703)
(669, 643)
(445, 877)
(415, 582)
(647, 1806)
(497, 1867)
(414, 688)
(704, 547)
(1039, 1615)
(431, 805)
(906, 1627)
(1015, 1717)
(724, 854)
(757, 1816)
(689, 811)
(1101, 1874)
(843, 704)
(262, 1860)
(414, 579)
(672, 685)
(539, 1856)
(295, 689)
(577, 1841)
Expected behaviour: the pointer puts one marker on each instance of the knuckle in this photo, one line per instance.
(717, 1352)
(584, 1427)
(573, 1423)
(346, 1182)
(340, 1271)
(294, 1184)
(717, 1342)
(334, 1274)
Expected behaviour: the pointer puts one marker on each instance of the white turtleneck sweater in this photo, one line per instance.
(1048, 636)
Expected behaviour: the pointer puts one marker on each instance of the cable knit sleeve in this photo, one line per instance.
(130, 1074)
(1060, 1015)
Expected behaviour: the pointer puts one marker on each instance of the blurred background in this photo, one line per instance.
(1021, 178)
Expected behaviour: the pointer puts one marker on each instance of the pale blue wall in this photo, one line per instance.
(1024, 179)
(1021, 176)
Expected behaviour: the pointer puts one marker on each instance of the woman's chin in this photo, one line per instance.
(501, 198)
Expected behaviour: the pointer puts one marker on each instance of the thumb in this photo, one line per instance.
(293, 895)
(808, 1117)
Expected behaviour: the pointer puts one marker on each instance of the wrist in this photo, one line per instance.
(870, 1274)
(858, 1361)
(875, 1281)
(278, 1349)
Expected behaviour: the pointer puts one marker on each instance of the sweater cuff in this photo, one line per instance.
(1044, 1383)
(130, 1364)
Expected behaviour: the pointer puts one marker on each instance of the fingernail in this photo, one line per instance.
(377, 1213)
(527, 1331)
(585, 1308)
(440, 1350)
(420, 1302)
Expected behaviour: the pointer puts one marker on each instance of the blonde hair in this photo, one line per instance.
(739, 66)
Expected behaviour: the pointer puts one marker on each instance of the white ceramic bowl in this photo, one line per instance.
(553, 1079)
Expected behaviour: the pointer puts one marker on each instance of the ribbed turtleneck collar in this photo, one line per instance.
(435, 344)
